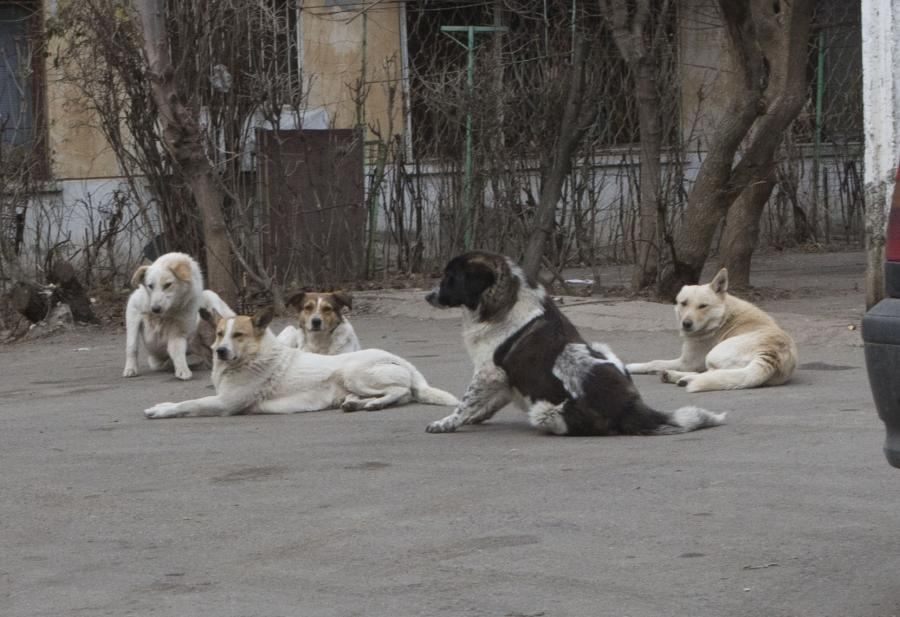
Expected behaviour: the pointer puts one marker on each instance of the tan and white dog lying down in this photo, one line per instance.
(728, 343)
(324, 329)
(164, 312)
(254, 373)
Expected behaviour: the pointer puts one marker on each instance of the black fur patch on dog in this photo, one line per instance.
(609, 403)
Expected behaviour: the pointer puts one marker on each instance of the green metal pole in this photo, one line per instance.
(470, 88)
(817, 147)
(467, 181)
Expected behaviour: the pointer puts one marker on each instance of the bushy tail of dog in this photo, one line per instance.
(645, 420)
(690, 418)
(423, 393)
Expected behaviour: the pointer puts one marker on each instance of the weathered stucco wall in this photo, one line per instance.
(77, 150)
(333, 44)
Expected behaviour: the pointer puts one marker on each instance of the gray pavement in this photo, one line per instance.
(787, 510)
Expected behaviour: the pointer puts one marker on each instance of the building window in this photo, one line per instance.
(20, 74)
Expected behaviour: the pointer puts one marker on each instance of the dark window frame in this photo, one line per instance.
(38, 141)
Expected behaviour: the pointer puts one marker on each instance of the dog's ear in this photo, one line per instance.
(137, 279)
(719, 284)
(343, 298)
(296, 300)
(210, 316)
(262, 318)
(499, 287)
(182, 270)
(479, 277)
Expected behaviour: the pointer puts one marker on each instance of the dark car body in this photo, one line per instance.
(881, 337)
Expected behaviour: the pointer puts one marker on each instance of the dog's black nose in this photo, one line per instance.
(156, 309)
(431, 298)
(687, 324)
(222, 353)
(316, 323)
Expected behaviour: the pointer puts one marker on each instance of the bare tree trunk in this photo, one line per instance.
(636, 39)
(786, 90)
(741, 233)
(182, 138)
(558, 162)
(770, 43)
(652, 209)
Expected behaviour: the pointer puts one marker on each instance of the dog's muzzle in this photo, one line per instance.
(315, 324)
(432, 299)
(223, 353)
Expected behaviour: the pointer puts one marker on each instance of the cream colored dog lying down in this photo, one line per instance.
(254, 372)
(728, 343)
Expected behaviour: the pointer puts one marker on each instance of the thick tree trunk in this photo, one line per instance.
(183, 140)
(770, 42)
(707, 201)
(637, 38)
(557, 164)
(652, 212)
(741, 233)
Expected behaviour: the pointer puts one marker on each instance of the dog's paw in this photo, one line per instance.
(351, 405)
(674, 376)
(162, 410)
(441, 426)
(129, 371)
(183, 374)
(685, 381)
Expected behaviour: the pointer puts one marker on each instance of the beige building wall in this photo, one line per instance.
(77, 149)
(333, 43)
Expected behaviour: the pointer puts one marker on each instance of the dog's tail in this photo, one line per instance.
(423, 393)
(644, 420)
(690, 418)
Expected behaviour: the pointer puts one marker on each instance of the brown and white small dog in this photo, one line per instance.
(323, 327)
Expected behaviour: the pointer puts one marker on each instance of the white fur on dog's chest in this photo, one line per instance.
(483, 338)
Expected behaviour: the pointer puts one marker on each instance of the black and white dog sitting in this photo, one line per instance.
(526, 351)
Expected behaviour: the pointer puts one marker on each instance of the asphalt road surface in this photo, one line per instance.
(787, 510)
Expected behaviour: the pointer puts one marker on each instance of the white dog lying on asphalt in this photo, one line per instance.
(254, 372)
(728, 343)
(164, 312)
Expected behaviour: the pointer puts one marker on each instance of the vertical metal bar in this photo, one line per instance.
(467, 181)
(820, 95)
(300, 56)
(404, 76)
(572, 27)
(361, 120)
